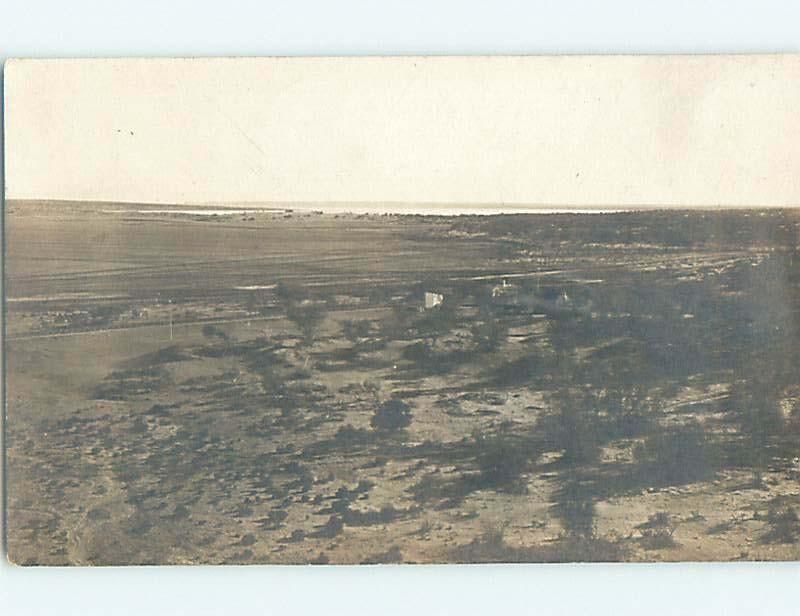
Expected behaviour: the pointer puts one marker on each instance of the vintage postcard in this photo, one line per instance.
(402, 310)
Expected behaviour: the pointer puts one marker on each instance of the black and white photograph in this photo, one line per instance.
(402, 310)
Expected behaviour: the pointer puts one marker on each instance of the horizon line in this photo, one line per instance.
(256, 204)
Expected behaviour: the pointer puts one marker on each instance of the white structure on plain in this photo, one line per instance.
(433, 299)
(501, 289)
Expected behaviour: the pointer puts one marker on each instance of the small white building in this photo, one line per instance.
(502, 288)
(433, 299)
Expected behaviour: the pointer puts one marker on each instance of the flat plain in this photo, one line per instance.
(277, 386)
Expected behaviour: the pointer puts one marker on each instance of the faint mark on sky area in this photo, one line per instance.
(255, 168)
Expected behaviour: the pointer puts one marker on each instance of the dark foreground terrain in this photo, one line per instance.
(284, 387)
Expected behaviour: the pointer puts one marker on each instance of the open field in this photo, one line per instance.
(286, 387)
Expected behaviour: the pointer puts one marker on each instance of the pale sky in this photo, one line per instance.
(581, 131)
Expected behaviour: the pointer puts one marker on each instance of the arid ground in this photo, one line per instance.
(298, 387)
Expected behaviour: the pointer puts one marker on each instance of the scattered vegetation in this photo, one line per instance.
(491, 547)
(655, 357)
(656, 533)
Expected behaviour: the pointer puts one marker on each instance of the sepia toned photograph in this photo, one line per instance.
(402, 310)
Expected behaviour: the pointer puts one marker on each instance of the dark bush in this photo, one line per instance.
(574, 428)
(784, 525)
(657, 532)
(492, 548)
(212, 331)
(330, 529)
(354, 330)
(489, 335)
(392, 555)
(502, 461)
(391, 416)
(676, 456)
(418, 352)
(248, 539)
(575, 506)
(307, 317)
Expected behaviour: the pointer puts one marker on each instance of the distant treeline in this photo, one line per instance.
(679, 228)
